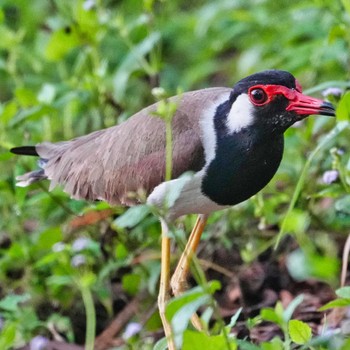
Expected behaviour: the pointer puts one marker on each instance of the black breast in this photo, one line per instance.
(243, 165)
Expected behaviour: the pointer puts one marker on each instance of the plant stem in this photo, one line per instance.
(90, 317)
(331, 136)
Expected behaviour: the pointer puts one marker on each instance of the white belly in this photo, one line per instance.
(182, 196)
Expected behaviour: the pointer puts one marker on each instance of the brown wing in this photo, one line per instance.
(112, 163)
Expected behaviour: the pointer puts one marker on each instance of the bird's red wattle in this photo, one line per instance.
(299, 103)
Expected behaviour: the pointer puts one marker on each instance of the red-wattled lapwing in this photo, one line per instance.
(232, 139)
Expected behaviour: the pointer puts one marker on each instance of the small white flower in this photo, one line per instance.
(330, 176)
(78, 260)
(334, 91)
(88, 5)
(158, 92)
(131, 329)
(58, 247)
(39, 343)
(80, 244)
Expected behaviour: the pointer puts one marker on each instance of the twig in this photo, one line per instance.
(105, 339)
(210, 265)
(345, 261)
(89, 218)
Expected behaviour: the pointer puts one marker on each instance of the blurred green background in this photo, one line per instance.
(71, 67)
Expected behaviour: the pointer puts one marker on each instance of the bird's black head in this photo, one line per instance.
(249, 131)
(271, 101)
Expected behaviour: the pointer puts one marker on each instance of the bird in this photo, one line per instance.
(229, 139)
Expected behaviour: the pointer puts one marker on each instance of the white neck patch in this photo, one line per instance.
(208, 128)
(241, 114)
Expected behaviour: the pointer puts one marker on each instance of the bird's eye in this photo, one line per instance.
(258, 96)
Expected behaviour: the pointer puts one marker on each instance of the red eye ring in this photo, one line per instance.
(258, 96)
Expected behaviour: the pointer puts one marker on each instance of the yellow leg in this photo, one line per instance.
(179, 278)
(164, 287)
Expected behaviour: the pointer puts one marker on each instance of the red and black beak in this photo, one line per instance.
(299, 103)
(305, 105)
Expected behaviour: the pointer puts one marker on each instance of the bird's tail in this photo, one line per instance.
(25, 151)
(33, 176)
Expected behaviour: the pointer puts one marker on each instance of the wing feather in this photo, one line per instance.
(111, 164)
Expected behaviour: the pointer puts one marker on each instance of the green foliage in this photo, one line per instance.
(295, 331)
(343, 299)
(196, 341)
(132, 217)
(299, 332)
(180, 309)
(70, 67)
(308, 264)
(280, 316)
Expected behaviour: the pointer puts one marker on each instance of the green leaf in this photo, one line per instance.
(206, 316)
(121, 252)
(343, 109)
(302, 265)
(32, 113)
(299, 332)
(269, 314)
(345, 345)
(245, 345)
(330, 137)
(234, 319)
(11, 302)
(288, 313)
(8, 335)
(29, 317)
(87, 280)
(61, 42)
(337, 32)
(274, 344)
(279, 310)
(153, 268)
(59, 281)
(25, 97)
(297, 221)
(48, 238)
(333, 191)
(9, 38)
(346, 5)
(132, 216)
(131, 283)
(198, 341)
(47, 94)
(161, 344)
(335, 303)
(87, 20)
(133, 61)
(181, 318)
(342, 205)
(343, 292)
(9, 110)
(180, 309)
